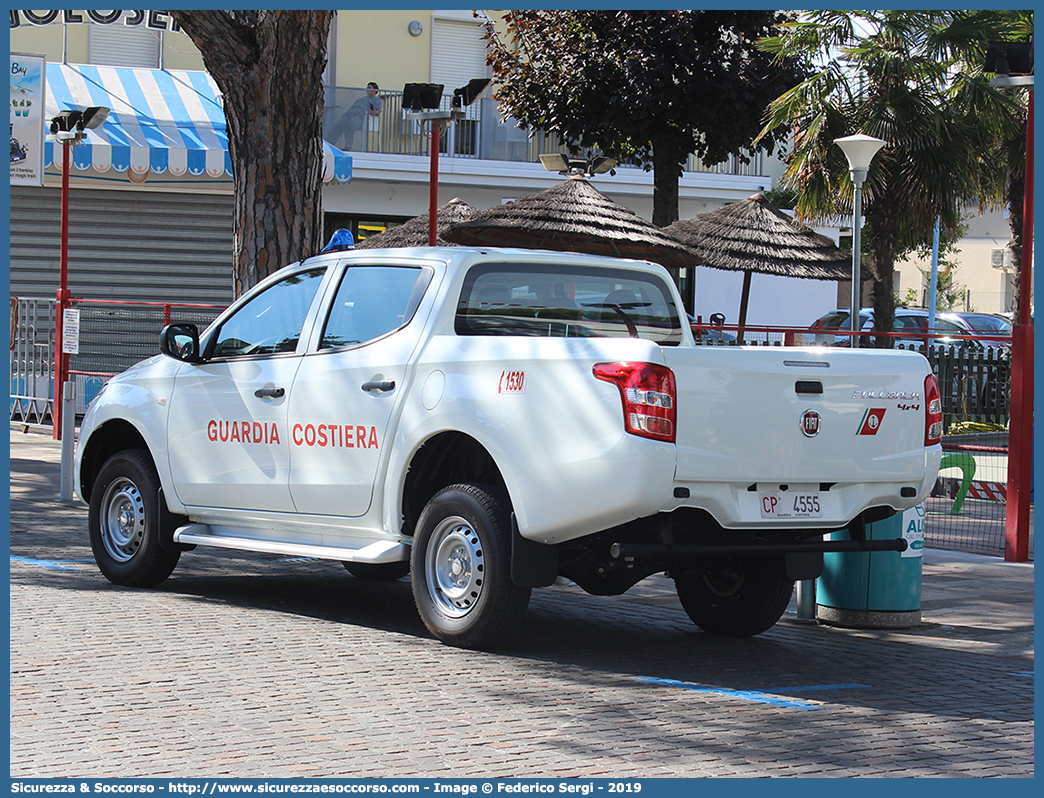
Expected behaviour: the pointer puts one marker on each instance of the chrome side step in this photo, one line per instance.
(380, 551)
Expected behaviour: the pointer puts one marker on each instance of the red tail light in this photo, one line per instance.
(649, 397)
(933, 423)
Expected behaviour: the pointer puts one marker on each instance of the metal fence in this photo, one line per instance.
(480, 134)
(974, 383)
(32, 359)
(967, 508)
(113, 337)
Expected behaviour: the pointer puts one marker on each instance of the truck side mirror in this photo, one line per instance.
(181, 342)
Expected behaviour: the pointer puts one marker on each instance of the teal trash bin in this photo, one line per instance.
(879, 589)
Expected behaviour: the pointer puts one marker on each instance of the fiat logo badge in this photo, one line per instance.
(810, 422)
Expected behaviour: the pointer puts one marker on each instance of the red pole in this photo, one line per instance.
(1020, 428)
(433, 184)
(60, 364)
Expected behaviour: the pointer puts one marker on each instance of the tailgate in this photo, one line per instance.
(763, 419)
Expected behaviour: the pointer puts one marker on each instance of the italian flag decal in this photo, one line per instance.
(871, 421)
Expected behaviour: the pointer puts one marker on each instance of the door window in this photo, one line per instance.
(272, 321)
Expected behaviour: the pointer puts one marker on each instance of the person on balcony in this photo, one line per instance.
(355, 117)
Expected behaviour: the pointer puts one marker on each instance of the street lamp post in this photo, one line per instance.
(68, 127)
(860, 151)
(421, 102)
(1011, 62)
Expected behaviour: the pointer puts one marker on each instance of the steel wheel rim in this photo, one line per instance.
(455, 567)
(123, 520)
(722, 584)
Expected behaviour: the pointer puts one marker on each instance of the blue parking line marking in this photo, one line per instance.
(53, 565)
(1028, 674)
(809, 688)
(758, 696)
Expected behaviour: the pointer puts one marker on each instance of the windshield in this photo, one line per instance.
(549, 300)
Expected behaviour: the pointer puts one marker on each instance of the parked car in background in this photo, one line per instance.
(702, 334)
(987, 323)
(912, 320)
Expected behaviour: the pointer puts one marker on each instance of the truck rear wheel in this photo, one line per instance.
(124, 522)
(461, 566)
(736, 596)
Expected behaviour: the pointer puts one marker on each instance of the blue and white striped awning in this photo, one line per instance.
(167, 122)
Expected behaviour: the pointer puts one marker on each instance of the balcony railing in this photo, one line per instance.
(481, 134)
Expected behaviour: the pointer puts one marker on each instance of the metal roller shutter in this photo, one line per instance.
(124, 245)
(458, 53)
(118, 45)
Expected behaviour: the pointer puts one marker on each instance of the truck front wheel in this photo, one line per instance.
(736, 596)
(461, 566)
(124, 522)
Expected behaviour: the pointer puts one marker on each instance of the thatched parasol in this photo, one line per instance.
(573, 216)
(755, 236)
(414, 233)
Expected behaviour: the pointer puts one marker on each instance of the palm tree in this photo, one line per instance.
(906, 77)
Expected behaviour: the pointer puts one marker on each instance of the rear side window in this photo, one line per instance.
(948, 326)
(567, 301)
(372, 301)
(832, 321)
(911, 323)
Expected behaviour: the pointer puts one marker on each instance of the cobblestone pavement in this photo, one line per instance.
(261, 666)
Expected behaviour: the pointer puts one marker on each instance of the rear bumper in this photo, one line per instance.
(658, 551)
(737, 505)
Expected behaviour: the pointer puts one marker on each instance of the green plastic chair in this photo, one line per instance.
(966, 463)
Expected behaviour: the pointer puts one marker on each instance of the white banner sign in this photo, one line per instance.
(28, 73)
(71, 331)
(157, 20)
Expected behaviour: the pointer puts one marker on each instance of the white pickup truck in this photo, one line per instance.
(489, 421)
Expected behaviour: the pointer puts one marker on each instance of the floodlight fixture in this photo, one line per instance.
(75, 120)
(422, 96)
(1009, 58)
(566, 165)
(93, 117)
(466, 95)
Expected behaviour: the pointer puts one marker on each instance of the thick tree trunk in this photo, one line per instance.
(666, 172)
(268, 66)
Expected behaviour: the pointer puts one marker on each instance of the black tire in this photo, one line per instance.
(735, 596)
(461, 566)
(124, 522)
(378, 572)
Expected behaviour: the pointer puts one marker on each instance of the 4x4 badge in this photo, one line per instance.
(810, 422)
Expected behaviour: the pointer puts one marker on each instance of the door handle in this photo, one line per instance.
(274, 393)
(379, 385)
